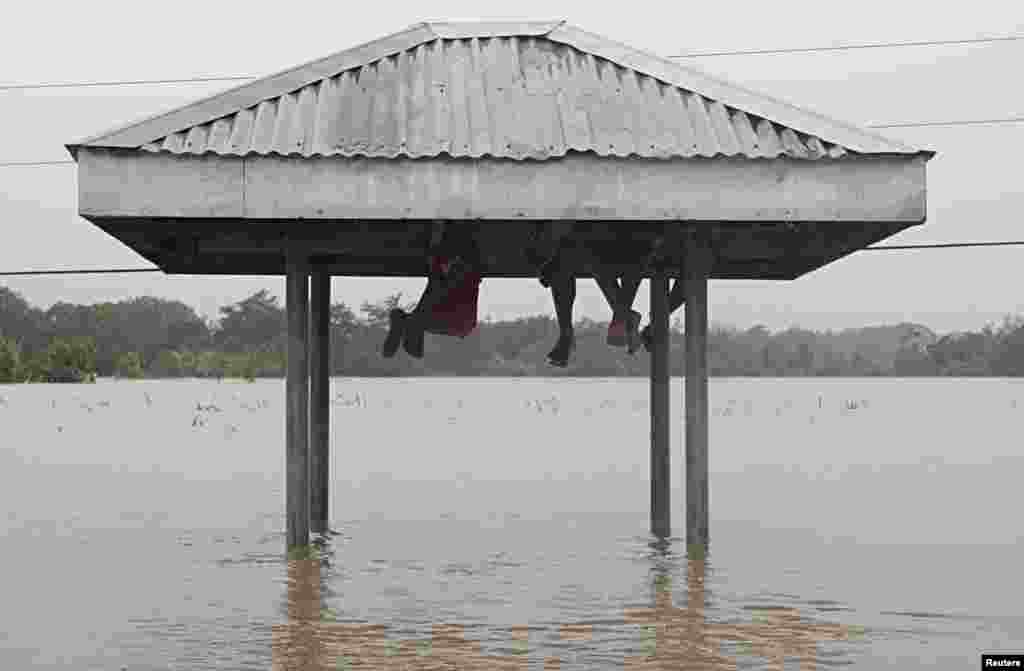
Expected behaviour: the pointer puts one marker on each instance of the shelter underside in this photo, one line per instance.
(777, 251)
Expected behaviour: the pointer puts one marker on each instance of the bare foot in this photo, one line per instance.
(559, 356)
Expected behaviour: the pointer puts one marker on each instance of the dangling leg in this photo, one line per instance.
(563, 293)
(396, 330)
(461, 256)
(676, 299)
(421, 319)
(548, 250)
(407, 328)
(622, 331)
(627, 294)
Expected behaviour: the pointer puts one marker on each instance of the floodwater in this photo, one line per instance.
(502, 523)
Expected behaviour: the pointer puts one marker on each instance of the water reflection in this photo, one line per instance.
(312, 640)
(671, 637)
(676, 638)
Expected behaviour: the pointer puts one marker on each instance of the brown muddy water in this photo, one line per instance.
(500, 523)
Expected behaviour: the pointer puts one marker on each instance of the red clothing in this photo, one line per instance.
(456, 315)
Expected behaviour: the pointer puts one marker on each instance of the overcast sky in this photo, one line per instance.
(974, 184)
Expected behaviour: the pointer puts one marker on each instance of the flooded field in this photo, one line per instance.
(502, 523)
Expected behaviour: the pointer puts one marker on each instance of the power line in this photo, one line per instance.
(964, 122)
(24, 164)
(873, 248)
(848, 47)
(946, 245)
(80, 272)
(133, 82)
(707, 54)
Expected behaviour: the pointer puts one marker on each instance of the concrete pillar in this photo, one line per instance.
(319, 401)
(661, 520)
(297, 400)
(696, 324)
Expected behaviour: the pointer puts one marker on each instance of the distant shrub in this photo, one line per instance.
(36, 367)
(10, 361)
(238, 365)
(168, 363)
(188, 362)
(128, 365)
(71, 360)
(267, 363)
(251, 365)
(209, 364)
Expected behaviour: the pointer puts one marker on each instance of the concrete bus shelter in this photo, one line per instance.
(349, 165)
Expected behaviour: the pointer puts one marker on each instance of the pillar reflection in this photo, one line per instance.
(683, 638)
(297, 645)
(312, 639)
(676, 638)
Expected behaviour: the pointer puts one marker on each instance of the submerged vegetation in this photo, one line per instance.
(149, 337)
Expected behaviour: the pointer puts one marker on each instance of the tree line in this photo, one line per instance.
(157, 338)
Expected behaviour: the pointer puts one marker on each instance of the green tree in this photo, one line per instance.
(774, 357)
(251, 323)
(912, 362)
(168, 363)
(20, 321)
(72, 359)
(144, 324)
(343, 320)
(209, 364)
(36, 368)
(963, 353)
(10, 361)
(188, 362)
(129, 365)
(1008, 359)
(269, 363)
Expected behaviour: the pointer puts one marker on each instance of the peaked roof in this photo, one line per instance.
(510, 90)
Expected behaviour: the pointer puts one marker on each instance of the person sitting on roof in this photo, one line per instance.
(448, 305)
(556, 274)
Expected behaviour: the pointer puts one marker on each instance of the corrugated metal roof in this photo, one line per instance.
(521, 91)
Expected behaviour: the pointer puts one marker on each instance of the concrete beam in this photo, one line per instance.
(580, 187)
(133, 184)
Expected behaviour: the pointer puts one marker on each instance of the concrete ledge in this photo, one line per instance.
(875, 189)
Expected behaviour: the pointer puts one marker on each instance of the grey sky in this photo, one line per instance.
(974, 189)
